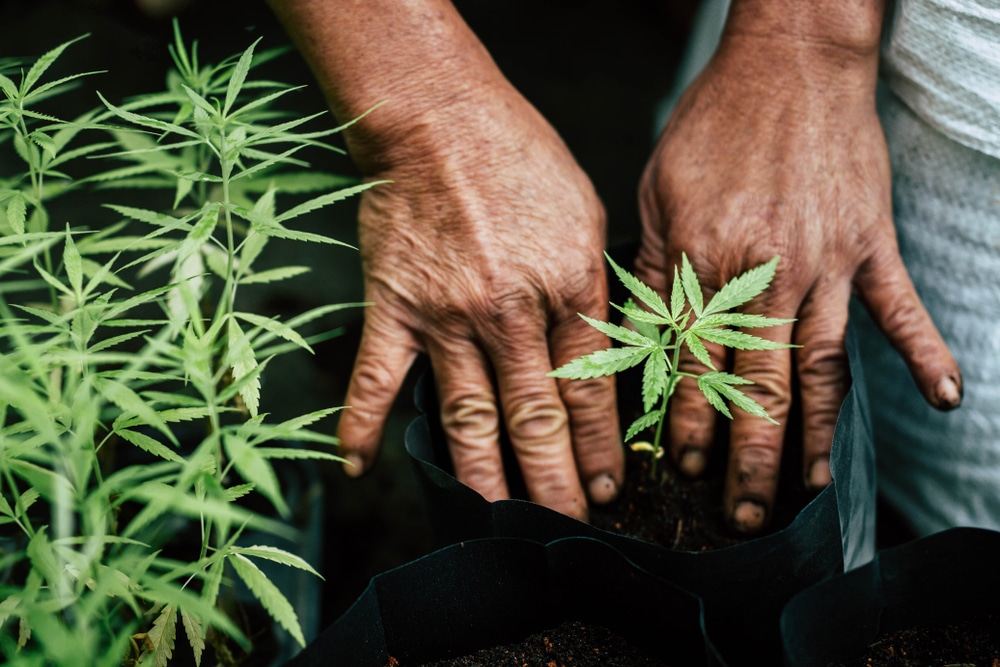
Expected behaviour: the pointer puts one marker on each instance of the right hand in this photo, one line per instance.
(773, 151)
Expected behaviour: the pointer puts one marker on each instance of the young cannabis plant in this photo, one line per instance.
(131, 426)
(662, 331)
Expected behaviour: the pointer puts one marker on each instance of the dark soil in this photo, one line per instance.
(686, 514)
(572, 644)
(974, 643)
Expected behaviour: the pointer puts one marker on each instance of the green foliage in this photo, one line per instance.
(660, 332)
(130, 413)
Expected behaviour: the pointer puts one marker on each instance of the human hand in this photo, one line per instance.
(772, 152)
(481, 253)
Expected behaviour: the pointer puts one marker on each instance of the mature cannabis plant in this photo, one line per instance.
(660, 332)
(127, 414)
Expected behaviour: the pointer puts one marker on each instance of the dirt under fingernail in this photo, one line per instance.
(749, 516)
(819, 474)
(947, 393)
(602, 489)
(692, 463)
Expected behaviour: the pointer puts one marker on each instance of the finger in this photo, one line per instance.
(692, 418)
(887, 291)
(469, 415)
(385, 354)
(823, 374)
(755, 443)
(592, 411)
(536, 419)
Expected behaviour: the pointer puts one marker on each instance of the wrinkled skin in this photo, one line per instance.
(791, 163)
(481, 253)
(488, 242)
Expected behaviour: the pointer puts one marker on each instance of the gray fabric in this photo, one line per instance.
(941, 469)
(942, 57)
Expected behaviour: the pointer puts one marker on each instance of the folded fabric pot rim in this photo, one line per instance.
(488, 592)
(945, 577)
(745, 586)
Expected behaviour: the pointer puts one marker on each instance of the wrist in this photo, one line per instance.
(816, 49)
(840, 29)
(416, 60)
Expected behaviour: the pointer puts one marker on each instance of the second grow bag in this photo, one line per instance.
(743, 587)
(947, 577)
(496, 591)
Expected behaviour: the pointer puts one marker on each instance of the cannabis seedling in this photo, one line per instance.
(662, 331)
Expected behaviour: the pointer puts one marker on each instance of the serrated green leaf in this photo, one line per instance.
(648, 420)
(162, 637)
(714, 399)
(145, 121)
(255, 469)
(269, 595)
(645, 322)
(74, 264)
(654, 378)
(23, 632)
(278, 556)
(640, 290)
(601, 363)
(131, 404)
(698, 349)
(325, 200)
(25, 501)
(42, 64)
(195, 634)
(168, 592)
(238, 491)
(52, 486)
(44, 142)
(5, 507)
(692, 288)
(277, 328)
(743, 288)
(9, 88)
(148, 444)
(16, 213)
(677, 296)
(238, 76)
(744, 402)
(274, 275)
(742, 320)
(620, 334)
(639, 316)
(243, 361)
(304, 454)
(739, 340)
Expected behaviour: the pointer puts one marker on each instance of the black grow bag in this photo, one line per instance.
(943, 578)
(491, 592)
(743, 587)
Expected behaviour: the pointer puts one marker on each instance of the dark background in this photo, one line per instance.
(595, 69)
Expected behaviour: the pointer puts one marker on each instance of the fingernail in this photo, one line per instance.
(947, 393)
(692, 462)
(354, 466)
(819, 474)
(602, 489)
(749, 516)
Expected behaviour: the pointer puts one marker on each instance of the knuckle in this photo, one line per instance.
(471, 417)
(536, 418)
(372, 382)
(755, 465)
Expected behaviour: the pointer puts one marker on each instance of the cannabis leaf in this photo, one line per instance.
(658, 333)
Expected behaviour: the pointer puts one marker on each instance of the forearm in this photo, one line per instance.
(417, 56)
